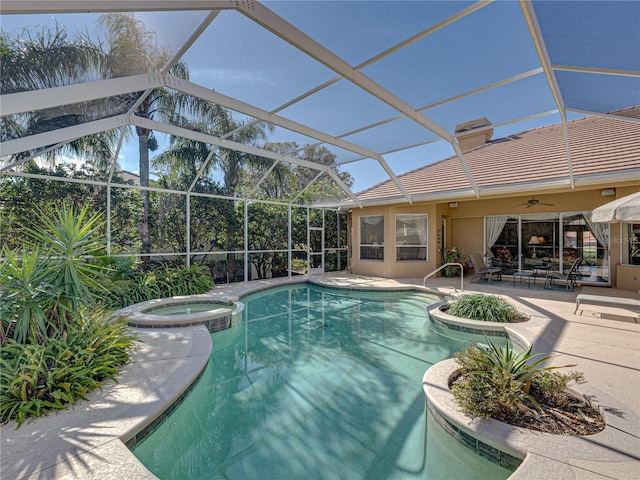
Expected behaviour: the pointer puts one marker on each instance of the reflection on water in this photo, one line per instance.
(185, 309)
(316, 383)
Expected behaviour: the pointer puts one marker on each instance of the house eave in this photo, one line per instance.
(623, 176)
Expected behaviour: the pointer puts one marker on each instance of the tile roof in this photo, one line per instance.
(598, 145)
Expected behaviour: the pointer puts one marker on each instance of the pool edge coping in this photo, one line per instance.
(563, 453)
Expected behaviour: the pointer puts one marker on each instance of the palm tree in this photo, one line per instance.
(132, 49)
(48, 59)
(186, 157)
(294, 181)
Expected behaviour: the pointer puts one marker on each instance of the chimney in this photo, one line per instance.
(473, 134)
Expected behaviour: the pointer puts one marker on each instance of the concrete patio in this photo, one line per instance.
(86, 441)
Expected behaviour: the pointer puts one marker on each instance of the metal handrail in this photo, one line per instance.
(424, 280)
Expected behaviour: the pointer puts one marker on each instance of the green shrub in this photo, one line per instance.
(487, 308)
(45, 285)
(36, 377)
(160, 283)
(53, 351)
(188, 280)
(495, 381)
(298, 264)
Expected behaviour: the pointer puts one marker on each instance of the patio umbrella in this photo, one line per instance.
(625, 209)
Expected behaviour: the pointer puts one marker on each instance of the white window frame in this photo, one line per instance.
(407, 246)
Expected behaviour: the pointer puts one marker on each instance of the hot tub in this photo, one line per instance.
(215, 313)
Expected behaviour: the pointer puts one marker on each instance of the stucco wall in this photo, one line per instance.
(389, 267)
(628, 277)
(465, 226)
(466, 234)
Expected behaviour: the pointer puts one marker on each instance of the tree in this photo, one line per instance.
(208, 216)
(47, 59)
(186, 158)
(279, 184)
(324, 188)
(21, 195)
(288, 180)
(268, 230)
(132, 49)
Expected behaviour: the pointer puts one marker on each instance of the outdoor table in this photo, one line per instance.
(540, 271)
(523, 275)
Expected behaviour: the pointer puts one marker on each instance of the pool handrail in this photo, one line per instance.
(424, 280)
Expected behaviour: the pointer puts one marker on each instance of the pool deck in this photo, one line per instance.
(86, 441)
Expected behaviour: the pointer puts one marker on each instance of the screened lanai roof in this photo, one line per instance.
(381, 85)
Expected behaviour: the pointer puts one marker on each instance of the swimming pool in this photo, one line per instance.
(316, 383)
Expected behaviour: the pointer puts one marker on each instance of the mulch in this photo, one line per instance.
(574, 418)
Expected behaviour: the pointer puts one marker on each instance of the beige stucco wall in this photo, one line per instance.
(465, 227)
(388, 267)
(628, 277)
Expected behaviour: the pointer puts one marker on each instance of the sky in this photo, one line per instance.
(236, 57)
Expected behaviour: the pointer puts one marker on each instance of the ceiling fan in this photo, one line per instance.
(533, 201)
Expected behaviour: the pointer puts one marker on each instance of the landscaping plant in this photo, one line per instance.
(163, 282)
(57, 272)
(514, 388)
(38, 377)
(487, 308)
(57, 344)
(451, 255)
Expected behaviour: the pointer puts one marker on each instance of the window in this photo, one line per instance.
(589, 245)
(540, 240)
(372, 237)
(411, 238)
(588, 240)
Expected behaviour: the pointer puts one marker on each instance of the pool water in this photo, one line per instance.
(185, 309)
(316, 383)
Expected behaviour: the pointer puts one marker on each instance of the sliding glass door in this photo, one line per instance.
(540, 241)
(551, 241)
(583, 238)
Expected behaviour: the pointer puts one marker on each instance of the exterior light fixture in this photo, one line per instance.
(608, 192)
(453, 204)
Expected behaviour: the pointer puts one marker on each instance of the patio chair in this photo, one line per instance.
(481, 271)
(507, 268)
(570, 278)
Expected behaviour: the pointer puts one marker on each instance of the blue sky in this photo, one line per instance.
(238, 58)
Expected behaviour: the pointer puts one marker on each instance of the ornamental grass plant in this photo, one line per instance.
(500, 383)
(486, 308)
